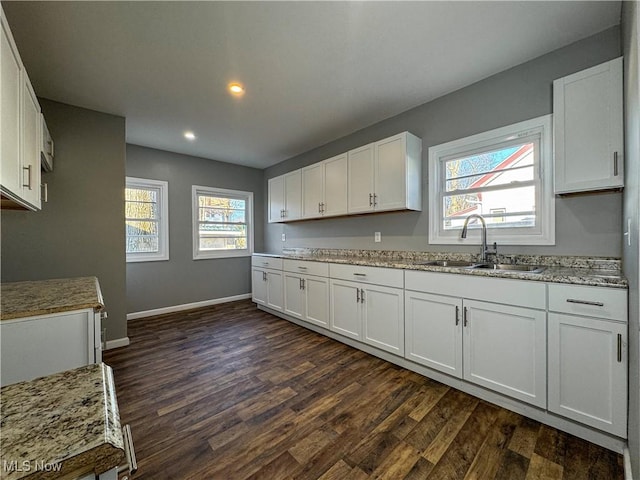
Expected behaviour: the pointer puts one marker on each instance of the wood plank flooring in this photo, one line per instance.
(231, 392)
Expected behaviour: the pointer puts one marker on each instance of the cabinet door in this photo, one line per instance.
(10, 105)
(293, 195)
(275, 283)
(276, 199)
(31, 140)
(43, 345)
(294, 298)
(588, 133)
(335, 186)
(361, 188)
(504, 349)
(345, 308)
(390, 174)
(316, 291)
(312, 190)
(259, 286)
(383, 318)
(433, 335)
(588, 371)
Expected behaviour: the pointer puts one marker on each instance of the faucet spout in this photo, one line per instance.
(463, 234)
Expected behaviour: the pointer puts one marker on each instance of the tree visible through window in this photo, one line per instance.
(146, 221)
(504, 175)
(222, 222)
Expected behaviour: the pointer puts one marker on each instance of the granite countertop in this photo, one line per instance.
(62, 424)
(598, 271)
(26, 299)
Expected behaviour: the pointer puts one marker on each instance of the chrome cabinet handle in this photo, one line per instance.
(375, 199)
(304, 284)
(585, 302)
(464, 317)
(362, 295)
(45, 187)
(357, 295)
(619, 348)
(457, 315)
(264, 276)
(319, 207)
(615, 164)
(28, 169)
(371, 200)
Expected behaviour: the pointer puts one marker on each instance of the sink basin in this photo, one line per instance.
(446, 263)
(509, 267)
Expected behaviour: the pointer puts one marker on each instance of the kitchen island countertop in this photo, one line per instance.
(62, 424)
(42, 297)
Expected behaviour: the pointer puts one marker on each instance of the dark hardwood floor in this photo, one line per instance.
(231, 392)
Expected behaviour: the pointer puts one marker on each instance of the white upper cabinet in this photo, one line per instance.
(386, 175)
(381, 176)
(20, 129)
(588, 129)
(31, 142)
(285, 197)
(10, 108)
(324, 188)
(361, 182)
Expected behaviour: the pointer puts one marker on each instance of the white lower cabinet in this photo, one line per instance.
(433, 335)
(267, 282)
(497, 346)
(306, 297)
(505, 349)
(371, 313)
(588, 356)
(36, 346)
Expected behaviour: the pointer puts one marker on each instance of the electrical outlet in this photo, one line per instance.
(377, 237)
(284, 237)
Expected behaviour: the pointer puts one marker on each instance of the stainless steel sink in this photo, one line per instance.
(446, 263)
(509, 267)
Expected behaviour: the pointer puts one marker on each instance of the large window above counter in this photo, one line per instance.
(382, 176)
(504, 175)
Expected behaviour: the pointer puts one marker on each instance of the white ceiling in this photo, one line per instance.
(313, 71)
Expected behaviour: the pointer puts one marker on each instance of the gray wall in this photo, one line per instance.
(182, 280)
(631, 210)
(80, 231)
(585, 225)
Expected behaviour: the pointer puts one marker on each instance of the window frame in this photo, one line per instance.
(227, 193)
(544, 231)
(162, 187)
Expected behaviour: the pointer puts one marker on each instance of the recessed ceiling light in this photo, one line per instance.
(236, 88)
(189, 135)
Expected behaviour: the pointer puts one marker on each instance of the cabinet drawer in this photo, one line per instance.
(390, 277)
(307, 268)
(265, 261)
(589, 301)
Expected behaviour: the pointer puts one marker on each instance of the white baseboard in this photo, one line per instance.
(117, 343)
(628, 475)
(186, 306)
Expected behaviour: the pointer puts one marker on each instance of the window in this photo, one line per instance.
(146, 220)
(222, 223)
(503, 175)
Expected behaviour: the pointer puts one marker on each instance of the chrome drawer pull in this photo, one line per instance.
(585, 302)
(302, 268)
(359, 274)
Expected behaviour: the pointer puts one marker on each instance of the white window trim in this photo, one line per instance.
(163, 221)
(545, 234)
(222, 192)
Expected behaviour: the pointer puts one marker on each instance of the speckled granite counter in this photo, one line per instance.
(598, 271)
(65, 423)
(25, 299)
